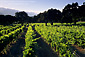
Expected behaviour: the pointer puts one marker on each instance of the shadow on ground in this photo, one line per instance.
(43, 49)
(16, 49)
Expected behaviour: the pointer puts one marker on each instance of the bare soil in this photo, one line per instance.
(43, 49)
(15, 49)
(79, 51)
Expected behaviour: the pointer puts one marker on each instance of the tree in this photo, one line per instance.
(71, 12)
(75, 12)
(81, 12)
(1, 19)
(7, 19)
(67, 18)
(22, 16)
(53, 15)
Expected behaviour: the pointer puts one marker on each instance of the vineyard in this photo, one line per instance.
(39, 40)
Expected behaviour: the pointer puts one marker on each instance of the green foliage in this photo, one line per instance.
(9, 35)
(62, 37)
(30, 43)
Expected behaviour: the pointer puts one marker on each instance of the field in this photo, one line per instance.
(39, 40)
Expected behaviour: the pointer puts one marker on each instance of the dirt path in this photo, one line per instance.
(79, 51)
(43, 49)
(16, 49)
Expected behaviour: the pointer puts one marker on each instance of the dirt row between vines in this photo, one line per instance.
(15, 48)
(49, 51)
(43, 49)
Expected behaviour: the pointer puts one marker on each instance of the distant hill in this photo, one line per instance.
(6, 11)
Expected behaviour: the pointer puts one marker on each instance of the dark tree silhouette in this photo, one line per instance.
(75, 12)
(54, 15)
(7, 19)
(81, 12)
(71, 13)
(22, 16)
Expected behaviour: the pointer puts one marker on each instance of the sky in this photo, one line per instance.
(37, 6)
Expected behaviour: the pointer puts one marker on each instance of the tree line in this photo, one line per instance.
(71, 13)
(7, 19)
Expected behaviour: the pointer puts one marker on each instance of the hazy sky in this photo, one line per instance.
(36, 5)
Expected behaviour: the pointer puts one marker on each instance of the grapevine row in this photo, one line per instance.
(61, 38)
(5, 39)
(30, 42)
(3, 32)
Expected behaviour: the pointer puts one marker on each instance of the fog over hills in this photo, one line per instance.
(7, 11)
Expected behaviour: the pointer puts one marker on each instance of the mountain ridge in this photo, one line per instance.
(8, 11)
